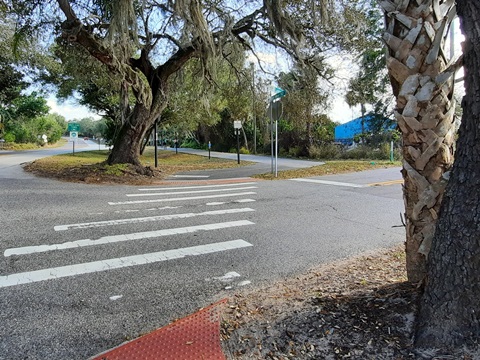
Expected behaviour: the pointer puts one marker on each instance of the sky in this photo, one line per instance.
(69, 109)
(339, 111)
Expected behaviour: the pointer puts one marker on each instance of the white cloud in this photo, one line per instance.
(70, 110)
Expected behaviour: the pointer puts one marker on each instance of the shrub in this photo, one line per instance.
(325, 151)
(9, 137)
(244, 150)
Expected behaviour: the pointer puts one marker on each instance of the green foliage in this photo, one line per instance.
(325, 151)
(11, 82)
(362, 152)
(370, 85)
(30, 106)
(50, 125)
(9, 137)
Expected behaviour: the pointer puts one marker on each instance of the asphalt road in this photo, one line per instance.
(85, 267)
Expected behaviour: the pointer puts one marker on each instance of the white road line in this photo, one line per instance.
(193, 192)
(325, 182)
(244, 200)
(148, 219)
(190, 176)
(181, 198)
(117, 263)
(215, 203)
(124, 237)
(150, 209)
(196, 187)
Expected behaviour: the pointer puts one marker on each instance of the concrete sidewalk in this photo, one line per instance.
(263, 164)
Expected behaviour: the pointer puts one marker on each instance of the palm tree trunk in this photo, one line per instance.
(422, 83)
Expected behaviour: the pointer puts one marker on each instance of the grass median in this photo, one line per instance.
(91, 167)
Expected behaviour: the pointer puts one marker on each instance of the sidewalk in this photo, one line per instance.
(194, 337)
(263, 164)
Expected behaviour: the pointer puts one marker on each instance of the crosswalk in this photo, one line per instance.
(122, 221)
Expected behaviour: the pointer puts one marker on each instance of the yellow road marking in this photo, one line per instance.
(386, 183)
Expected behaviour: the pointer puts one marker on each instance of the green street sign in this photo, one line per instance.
(279, 93)
(73, 127)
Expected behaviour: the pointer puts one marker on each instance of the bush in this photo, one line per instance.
(325, 151)
(9, 137)
(295, 151)
(361, 152)
(191, 144)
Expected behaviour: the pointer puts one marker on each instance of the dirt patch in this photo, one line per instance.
(358, 308)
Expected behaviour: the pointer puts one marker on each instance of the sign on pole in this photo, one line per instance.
(73, 139)
(237, 124)
(73, 127)
(278, 93)
(275, 110)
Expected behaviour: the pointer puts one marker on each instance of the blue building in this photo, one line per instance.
(345, 133)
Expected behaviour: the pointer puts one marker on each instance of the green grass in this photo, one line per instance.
(168, 162)
(92, 163)
(31, 146)
(331, 167)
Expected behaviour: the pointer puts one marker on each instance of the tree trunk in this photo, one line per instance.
(127, 146)
(415, 37)
(449, 311)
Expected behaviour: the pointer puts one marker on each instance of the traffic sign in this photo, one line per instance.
(275, 110)
(73, 127)
(237, 124)
(278, 93)
(73, 135)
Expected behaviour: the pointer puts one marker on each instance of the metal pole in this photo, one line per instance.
(238, 145)
(253, 111)
(73, 146)
(271, 132)
(276, 148)
(391, 151)
(155, 141)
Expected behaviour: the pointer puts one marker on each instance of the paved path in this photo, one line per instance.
(263, 164)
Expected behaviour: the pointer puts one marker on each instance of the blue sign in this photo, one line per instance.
(279, 93)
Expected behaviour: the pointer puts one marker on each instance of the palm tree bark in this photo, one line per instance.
(449, 310)
(422, 83)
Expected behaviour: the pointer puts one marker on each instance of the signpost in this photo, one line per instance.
(209, 148)
(275, 110)
(237, 125)
(73, 139)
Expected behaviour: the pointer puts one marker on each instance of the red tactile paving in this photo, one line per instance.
(195, 337)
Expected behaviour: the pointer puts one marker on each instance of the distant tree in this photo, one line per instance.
(145, 43)
(368, 88)
(306, 100)
(11, 83)
(87, 126)
(25, 112)
(49, 125)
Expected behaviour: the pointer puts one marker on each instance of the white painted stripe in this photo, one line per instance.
(336, 183)
(110, 264)
(148, 219)
(190, 176)
(244, 200)
(180, 198)
(193, 192)
(215, 203)
(124, 237)
(196, 187)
